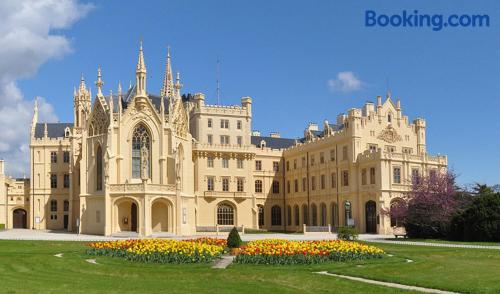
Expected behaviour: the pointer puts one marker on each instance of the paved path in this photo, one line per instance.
(224, 262)
(387, 284)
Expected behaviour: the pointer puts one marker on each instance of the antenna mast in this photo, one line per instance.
(218, 81)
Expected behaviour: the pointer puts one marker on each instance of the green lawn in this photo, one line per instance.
(447, 242)
(29, 266)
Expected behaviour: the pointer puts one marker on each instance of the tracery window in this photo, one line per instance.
(98, 164)
(276, 215)
(225, 215)
(141, 142)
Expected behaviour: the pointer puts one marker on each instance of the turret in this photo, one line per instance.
(199, 100)
(81, 104)
(140, 74)
(246, 102)
(420, 131)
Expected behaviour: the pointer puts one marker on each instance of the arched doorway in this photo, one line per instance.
(371, 217)
(127, 216)
(160, 216)
(261, 216)
(19, 219)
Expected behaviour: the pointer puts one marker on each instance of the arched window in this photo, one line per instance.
(225, 215)
(323, 214)
(258, 186)
(389, 118)
(304, 215)
(66, 205)
(397, 207)
(333, 215)
(141, 151)
(276, 215)
(347, 212)
(261, 215)
(289, 215)
(98, 166)
(314, 213)
(296, 211)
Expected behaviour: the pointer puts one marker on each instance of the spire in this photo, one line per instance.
(111, 107)
(168, 81)
(82, 87)
(140, 74)
(99, 82)
(119, 98)
(35, 115)
(178, 85)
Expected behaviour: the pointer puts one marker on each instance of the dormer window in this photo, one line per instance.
(66, 132)
(389, 118)
(262, 144)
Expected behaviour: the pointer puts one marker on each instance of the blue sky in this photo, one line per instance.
(283, 53)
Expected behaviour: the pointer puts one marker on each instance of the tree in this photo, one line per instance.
(480, 220)
(234, 240)
(426, 210)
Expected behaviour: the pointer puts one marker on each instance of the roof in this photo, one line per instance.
(273, 143)
(54, 130)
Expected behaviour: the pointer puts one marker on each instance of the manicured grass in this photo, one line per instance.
(447, 242)
(29, 266)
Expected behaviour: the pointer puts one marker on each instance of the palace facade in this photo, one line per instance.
(134, 161)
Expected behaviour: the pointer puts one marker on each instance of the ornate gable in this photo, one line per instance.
(179, 121)
(389, 135)
(99, 119)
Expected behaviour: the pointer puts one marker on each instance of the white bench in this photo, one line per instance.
(399, 232)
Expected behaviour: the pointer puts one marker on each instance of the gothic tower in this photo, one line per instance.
(81, 105)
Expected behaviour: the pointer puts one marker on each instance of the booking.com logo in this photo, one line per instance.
(435, 21)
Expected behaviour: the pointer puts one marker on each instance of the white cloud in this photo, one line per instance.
(346, 81)
(28, 40)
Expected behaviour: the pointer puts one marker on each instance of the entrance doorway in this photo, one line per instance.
(19, 219)
(66, 221)
(133, 217)
(371, 217)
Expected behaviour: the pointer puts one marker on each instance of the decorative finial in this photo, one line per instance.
(168, 83)
(82, 87)
(99, 81)
(119, 88)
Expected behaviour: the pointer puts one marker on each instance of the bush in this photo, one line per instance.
(234, 240)
(347, 233)
(2, 227)
(479, 221)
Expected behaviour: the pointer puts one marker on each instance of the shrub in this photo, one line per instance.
(479, 221)
(2, 227)
(347, 233)
(234, 240)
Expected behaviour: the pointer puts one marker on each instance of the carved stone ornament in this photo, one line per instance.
(389, 135)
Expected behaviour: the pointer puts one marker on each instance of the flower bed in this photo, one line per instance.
(161, 251)
(274, 251)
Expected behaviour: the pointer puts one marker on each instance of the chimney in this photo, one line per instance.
(313, 127)
(256, 133)
(274, 135)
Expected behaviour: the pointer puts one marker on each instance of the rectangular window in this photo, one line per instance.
(239, 140)
(224, 140)
(363, 176)
(53, 156)
(312, 160)
(321, 157)
(239, 184)
(276, 187)
(225, 184)
(258, 165)
(210, 183)
(415, 175)
(210, 161)
(53, 181)
(295, 164)
(238, 125)
(303, 162)
(304, 184)
(224, 124)
(323, 184)
(332, 155)
(66, 181)
(344, 153)
(313, 183)
(407, 150)
(66, 156)
(334, 180)
(372, 176)
(276, 166)
(372, 147)
(345, 178)
(432, 173)
(288, 165)
(225, 163)
(209, 139)
(296, 185)
(396, 175)
(209, 122)
(288, 186)
(53, 205)
(239, 163)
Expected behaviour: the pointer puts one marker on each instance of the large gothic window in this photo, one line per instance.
(141, 152)
(225, 215)
(98, 164)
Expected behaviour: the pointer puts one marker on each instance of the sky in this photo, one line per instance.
(300, 61)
